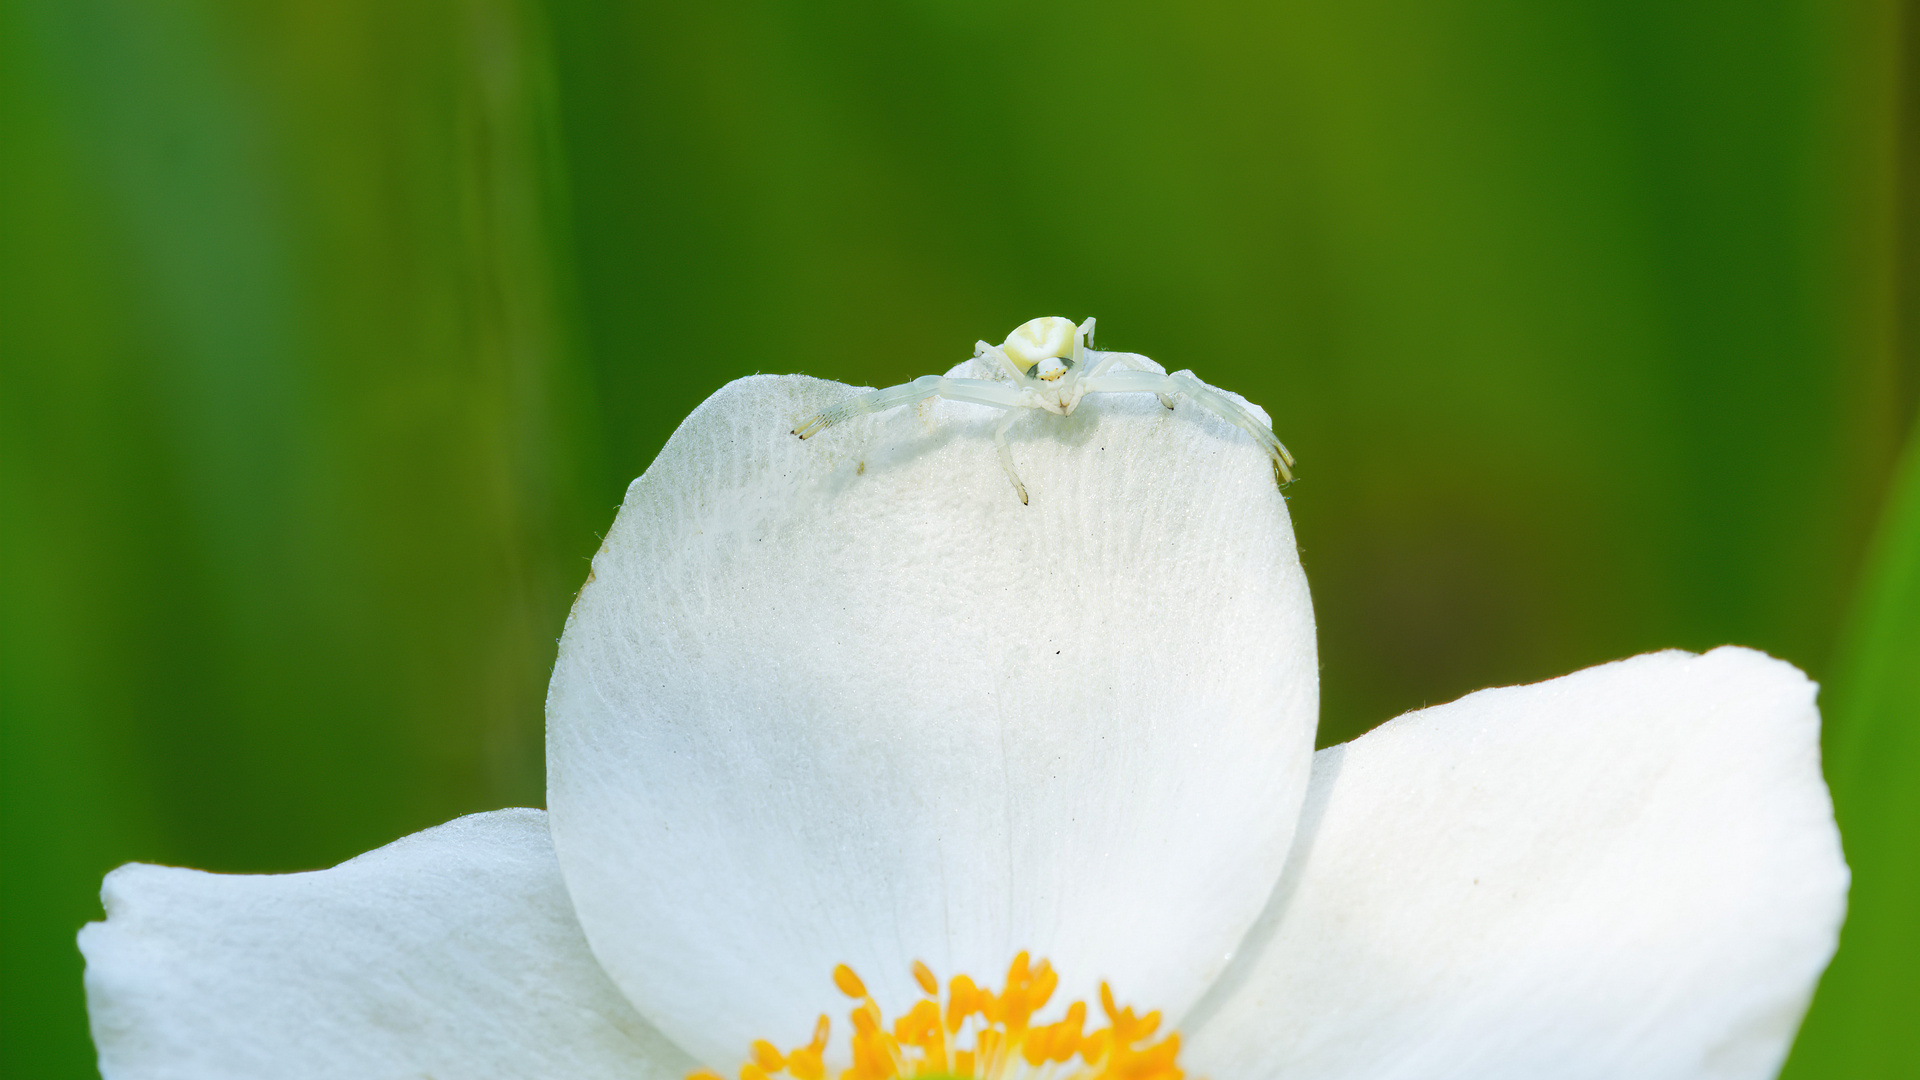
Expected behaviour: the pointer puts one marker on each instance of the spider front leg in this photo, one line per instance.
(1006, 454)
(1186, 383)
(1125, 361)
(977, 391)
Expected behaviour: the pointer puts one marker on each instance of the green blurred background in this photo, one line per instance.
(332, 330)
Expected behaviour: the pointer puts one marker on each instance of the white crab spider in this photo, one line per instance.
(1046, 364)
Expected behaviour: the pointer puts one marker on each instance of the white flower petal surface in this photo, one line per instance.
(1630, 872)
(847, 700)
(452, 953)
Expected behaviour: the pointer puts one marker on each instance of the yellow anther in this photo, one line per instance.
(848, 982)
(1044, 982)
(805, 1064)
(1017, 971)
(1063, 1043)
(992, 1008)
(989, 1043)
(1065, 1040)
(1094, 1046)
(976, 1034)
(919, 1025)
(767, 1057)
(960, 1001)
(1035, 1050)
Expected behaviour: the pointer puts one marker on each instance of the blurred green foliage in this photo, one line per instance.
(1862, 1023)
(299, 468)
(331, 331)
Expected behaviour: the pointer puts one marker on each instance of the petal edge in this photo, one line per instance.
(452, 952)
(1631, 871)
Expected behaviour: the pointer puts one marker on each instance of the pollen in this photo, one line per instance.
(972, 1033)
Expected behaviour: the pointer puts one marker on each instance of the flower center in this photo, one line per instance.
(973, 1033)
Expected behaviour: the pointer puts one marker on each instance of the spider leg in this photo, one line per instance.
(977, 391)
(1006, 455)
(1185, 382)
(1013, 370)
(1082, 342)
(1101, 365)
(1127, 362)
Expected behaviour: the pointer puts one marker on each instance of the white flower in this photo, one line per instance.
(849, 701)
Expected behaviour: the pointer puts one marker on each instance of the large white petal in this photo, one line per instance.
(1629, 872)
(848, 700)
(452, 953)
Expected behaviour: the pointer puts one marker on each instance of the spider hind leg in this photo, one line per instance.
(1231, 411)
(1186, 384)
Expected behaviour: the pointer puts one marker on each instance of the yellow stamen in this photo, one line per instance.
(768, 1058)
(848, 982)
(976, 1034)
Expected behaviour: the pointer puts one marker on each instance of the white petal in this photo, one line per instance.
(847, 700)
(451, 953)
(1630, 872)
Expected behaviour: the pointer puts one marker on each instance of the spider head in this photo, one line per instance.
(1043, 348)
